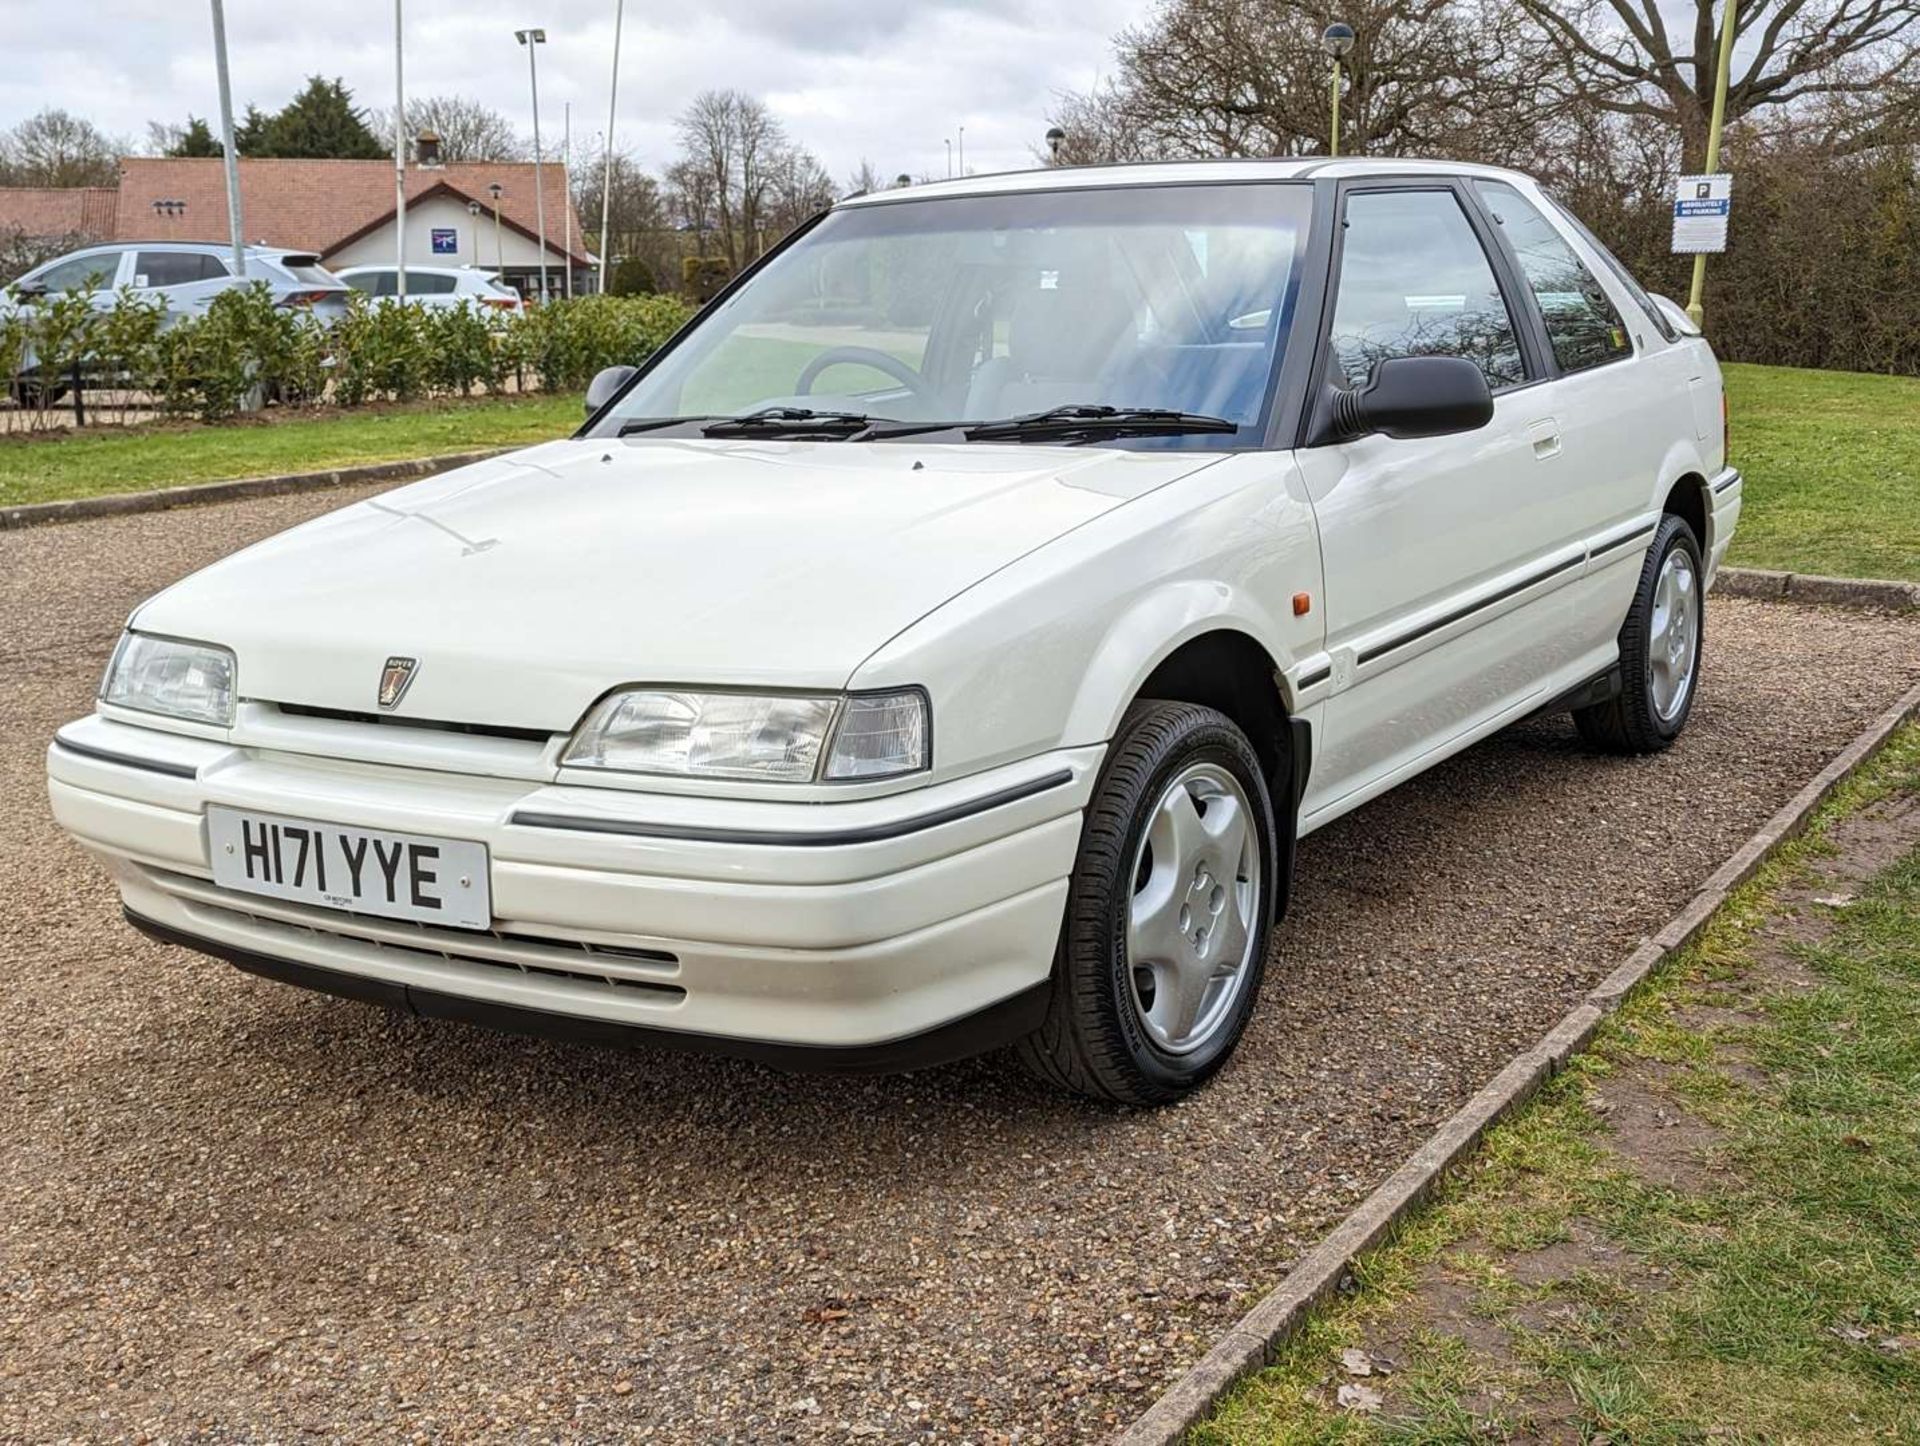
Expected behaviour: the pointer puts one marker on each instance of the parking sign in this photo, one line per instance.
(1701, 205)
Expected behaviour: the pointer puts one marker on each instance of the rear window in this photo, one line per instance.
(1660, 320)
(307, 270)
(177, 268)
(429, 283)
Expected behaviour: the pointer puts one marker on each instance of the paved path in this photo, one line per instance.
(233, 1209)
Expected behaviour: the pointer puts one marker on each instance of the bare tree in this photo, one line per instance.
(865, 178)
(739, 177)
(468, 130)
(638, 227)
(1248, 78)
(58, 148)
(1858, 58)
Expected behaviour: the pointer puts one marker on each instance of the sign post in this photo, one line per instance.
(1695, 309)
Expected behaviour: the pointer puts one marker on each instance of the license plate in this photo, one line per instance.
(363, 870)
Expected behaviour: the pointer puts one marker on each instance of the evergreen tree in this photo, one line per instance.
(196, 138)
(321, 121)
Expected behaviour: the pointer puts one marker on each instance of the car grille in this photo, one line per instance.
(631, 973)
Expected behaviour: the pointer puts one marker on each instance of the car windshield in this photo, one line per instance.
(984, 308)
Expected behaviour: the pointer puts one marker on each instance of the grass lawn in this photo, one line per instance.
(1832, 468)
(1704, 1229)
(133, 459)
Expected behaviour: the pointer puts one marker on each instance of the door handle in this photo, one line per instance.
(1545, 436)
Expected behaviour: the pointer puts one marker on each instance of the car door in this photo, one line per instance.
(187, 281)
(1444, 558)
(1617, 414)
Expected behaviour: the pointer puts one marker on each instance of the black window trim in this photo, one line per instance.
(1316, 410)
(1532, 302)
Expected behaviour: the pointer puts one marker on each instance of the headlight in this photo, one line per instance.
(174, 678)
(784, 737)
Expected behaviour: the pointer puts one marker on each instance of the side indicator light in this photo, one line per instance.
(1302, 604)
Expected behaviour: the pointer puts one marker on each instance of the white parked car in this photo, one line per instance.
(946, 640)
(435, 286)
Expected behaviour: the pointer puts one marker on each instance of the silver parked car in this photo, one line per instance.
(436, 286)
(184, 275)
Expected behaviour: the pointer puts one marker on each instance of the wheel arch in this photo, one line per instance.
(1688, 499)
(1220, 661)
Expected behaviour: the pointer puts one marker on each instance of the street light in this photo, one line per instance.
(531, 38)
(474, 208)
(1336, 40)
(227, 147)
(948, 140)
(399, 157)
(902, 180)
(1054, 138)
(606, 176)
(494, 190)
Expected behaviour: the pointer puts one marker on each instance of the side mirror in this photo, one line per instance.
(1415, 396)
(29, 290)
(601, 389)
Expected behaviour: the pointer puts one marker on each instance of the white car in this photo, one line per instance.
(435, 286)
(945, 641)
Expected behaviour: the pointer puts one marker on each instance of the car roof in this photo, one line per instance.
(216, 248)
(423, 270)
(1182, 173)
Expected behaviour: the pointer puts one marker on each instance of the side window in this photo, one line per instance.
(176, 268)
(429, 283)
(93, 272)
(1582, 325)
(1620, 273)
(1415, 281)
(363, 281)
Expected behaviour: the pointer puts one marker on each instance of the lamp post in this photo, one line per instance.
(227, 146)
(494, 189)
(1697, 293)
(399, 158)
(1336, 40)
(566, 189)
(948, 141)
(606, 176)
(1055, 136)
(474, 208)
(902, 180)
(531, 38)
(962, 147)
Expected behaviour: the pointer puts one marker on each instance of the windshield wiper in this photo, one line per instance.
(790, 422)
(655, 424)
(767, 422)
(1079, 421)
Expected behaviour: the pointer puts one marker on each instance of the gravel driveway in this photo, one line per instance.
(234, 1210)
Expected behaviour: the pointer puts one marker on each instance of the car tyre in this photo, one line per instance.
(1661, 648)
(32, 394)
(1168, 911)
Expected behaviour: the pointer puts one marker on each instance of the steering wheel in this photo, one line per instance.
(865, 356)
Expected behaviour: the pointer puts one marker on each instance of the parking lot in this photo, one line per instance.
(237, 1210)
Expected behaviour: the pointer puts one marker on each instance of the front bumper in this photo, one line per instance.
(872, 934)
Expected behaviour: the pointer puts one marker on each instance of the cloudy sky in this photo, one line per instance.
(885, 80)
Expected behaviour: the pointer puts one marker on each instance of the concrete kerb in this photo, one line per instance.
(80, 509)
(1805, 587)
(1251, 1341)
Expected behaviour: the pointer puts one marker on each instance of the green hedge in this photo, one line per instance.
(246, 350)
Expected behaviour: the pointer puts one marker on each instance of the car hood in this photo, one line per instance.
(528, 585)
